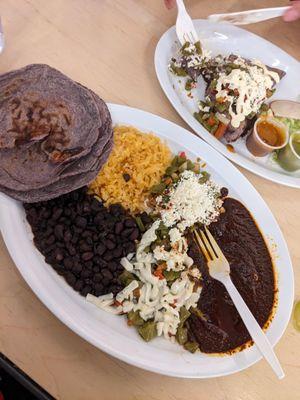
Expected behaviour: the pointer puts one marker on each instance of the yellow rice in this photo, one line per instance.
(144, 157)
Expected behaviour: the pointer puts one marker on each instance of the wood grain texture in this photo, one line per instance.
(108, 45)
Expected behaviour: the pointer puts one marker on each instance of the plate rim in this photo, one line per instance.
(274, 176)
(76, 327)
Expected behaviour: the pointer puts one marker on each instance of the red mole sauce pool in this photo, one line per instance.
(218, 327)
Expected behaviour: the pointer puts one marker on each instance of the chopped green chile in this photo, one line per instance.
(183, 166)
(148, 330)
(140, 224)
(189, 85)
(204, 178)
(159, 188)
(177, 70)
(191, 346)
(135, 318)
(198, 47)
(126, 278)
(184, 314)
(171, 275)
(182, 335)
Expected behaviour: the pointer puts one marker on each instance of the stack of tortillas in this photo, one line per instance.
(55, 134)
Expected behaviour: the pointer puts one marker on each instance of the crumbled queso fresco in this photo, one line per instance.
(188, 202)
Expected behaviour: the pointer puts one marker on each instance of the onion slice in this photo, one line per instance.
(286, 108)
(222, 118)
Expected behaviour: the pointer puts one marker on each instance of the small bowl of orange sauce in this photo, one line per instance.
(268, 135)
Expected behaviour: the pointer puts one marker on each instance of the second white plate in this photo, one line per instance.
(226, 39)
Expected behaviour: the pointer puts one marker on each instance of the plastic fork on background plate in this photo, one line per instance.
(250, 16)
(184, 25)
(1, 37)
(219, 269)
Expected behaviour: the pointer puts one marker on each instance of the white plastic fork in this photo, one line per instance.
(250, 16)
(184, 25)
(1, 37)
(219, 269)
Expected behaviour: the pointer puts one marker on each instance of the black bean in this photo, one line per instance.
(96, 205)
(68, 262)
(58, 254)
(59, 269)
(109, 244)
(48, 231)
(81, 222)
(127, 232)
(86, 207)
(77, 268)
(87, 234)
(119, 227)
(85, 247)
(105, 281)
(87, 256)
(96, 268)
(86, 273)
(59, 231)
(71, 249)
(89, 264)
(107, 274)
(70, 278)
(78, 285)
(130, 223)
(89, 241)
(50, 240)
(129, 247)
(97, 277)
(56, 213)
(145, 218)
(67, 236)
(100, 249)
(112, 266)
(117, 252)
(108, 255)
(98, 220)
(75, 238)
(98, 287)
(135, 234)
(86, 289)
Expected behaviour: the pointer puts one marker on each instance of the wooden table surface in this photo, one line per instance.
(108, 45)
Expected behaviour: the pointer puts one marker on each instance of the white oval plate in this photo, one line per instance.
(226, 39)
(110, 333)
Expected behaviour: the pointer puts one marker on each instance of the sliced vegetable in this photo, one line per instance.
(159, 271)
(159, 188)
(184, 314)
(177, 70)
(212, 120)
(135, 319)
(286, 108)
(182, 335)
(140, 224)
(191, 346)
(221, 130)
(222, 118)
(189, 85)
(198, 47)
(205, 177)
(126, 278)
(171, 275)
(148, 330)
